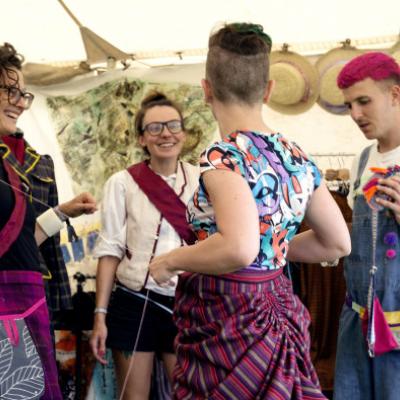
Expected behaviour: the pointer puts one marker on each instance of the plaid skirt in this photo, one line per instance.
(23, 303)
(242, 336)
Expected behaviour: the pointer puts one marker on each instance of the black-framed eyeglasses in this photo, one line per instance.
(155, 128)
(14, 94)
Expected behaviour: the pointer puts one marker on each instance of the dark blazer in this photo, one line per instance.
(38, 172)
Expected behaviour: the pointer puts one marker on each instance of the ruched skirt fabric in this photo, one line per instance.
(242, 338)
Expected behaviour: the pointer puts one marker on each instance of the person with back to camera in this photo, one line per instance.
(143, 215)
(242, 333)
(368, 357)
(27, 361)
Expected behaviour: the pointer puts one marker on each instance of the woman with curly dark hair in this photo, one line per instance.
(27, 361)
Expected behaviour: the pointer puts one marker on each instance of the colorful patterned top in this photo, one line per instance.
(282, 179)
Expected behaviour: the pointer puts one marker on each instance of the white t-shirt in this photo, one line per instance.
(376, 159)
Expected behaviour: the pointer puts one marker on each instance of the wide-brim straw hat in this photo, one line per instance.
(329, 66)
(395, 51)
(296, 82)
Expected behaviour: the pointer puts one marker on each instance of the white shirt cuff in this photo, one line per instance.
(49, 222)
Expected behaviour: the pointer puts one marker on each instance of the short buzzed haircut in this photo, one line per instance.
(238, 63)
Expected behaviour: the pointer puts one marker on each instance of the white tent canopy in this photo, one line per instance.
(44, 32)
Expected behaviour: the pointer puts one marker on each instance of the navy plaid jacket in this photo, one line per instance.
(38, 172)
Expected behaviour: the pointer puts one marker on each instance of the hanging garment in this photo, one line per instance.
(323, 291)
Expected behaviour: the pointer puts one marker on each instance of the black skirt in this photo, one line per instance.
(123, 319)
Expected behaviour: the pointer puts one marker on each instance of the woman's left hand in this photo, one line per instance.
(390, 187)
(84, 203)
(162, 271)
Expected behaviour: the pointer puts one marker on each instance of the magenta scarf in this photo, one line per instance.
(17, 146)
(164, 199)
(11, 230)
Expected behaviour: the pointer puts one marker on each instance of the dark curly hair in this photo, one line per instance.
(10, 61)
(238, 63)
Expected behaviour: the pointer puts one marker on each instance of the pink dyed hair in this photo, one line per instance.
(374, 65)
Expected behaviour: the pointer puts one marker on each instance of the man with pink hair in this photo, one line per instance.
(368, 360)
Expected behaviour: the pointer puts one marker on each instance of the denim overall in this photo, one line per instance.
(357, 375)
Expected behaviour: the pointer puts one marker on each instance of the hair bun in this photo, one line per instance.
(242, 38)
(8, 54)
(152, 98)
(249, 29)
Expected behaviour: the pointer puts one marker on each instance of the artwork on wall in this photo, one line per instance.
(95, 128)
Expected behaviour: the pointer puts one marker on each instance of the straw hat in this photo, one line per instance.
(296, 82)
(395, 51)
(396, 56)
(329, 66)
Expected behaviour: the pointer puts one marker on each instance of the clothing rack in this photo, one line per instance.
(332, 154)
(340, 187)
(342, 170)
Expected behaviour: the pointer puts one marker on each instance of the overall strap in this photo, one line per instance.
(361, 166)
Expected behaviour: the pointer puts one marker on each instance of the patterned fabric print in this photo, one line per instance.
(21, 371)
(19, 291)
(38, 172)
(282, 179)
(242, 341)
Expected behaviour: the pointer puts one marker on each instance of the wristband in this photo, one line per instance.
(49, 222)
(60, 214)
(100, 310)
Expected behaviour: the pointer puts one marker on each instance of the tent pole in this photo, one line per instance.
(70, 13)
